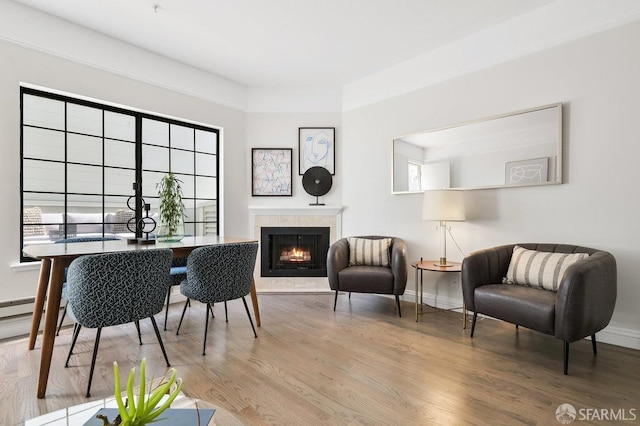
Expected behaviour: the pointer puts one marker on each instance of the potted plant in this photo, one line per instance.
(148, 406)
(171, 209)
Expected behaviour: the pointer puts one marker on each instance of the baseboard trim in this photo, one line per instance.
(297, 291)
(612, 334)
(620, 337)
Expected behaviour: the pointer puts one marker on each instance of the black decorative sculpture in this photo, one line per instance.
(139, 224)
(317, 181)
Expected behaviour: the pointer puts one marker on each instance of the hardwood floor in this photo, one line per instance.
(360, 365)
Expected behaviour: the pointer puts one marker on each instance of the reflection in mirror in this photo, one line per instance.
(518, 149)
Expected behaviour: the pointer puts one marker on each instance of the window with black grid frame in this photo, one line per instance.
(81, 158)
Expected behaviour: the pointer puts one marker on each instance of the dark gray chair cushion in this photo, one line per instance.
(530, 307)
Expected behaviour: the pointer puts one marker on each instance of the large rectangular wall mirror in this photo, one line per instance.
(522, 148)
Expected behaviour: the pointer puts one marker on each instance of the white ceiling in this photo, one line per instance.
(289, 43)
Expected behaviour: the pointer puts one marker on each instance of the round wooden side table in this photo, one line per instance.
(434, 266)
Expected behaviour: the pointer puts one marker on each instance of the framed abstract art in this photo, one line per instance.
(271, 171)
(316, 147)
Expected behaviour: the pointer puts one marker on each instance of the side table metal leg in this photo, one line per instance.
(416, 291)
(421, 290)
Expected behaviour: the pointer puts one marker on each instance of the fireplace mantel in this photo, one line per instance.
(288, 216)
(295, 210)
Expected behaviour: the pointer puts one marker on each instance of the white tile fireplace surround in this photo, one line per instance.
(315, 216)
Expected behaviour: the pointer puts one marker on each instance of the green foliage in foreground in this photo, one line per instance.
(146, 409)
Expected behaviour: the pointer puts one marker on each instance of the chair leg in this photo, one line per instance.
(335, 301)
(64, 313)
(166, 309)
(398, 303)
(246, 307)
(226, 316)
(593, 344)
(139, 334)
(566, 358)
(517, 326)
(76, 332)
(206, 327)
(473, 323)
(155, 328)
(93, 361)
(210, 308)
(349, 295)
(182, 316)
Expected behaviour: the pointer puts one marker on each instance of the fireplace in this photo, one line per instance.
(294, 251)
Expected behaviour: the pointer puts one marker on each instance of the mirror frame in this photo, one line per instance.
(559, 148)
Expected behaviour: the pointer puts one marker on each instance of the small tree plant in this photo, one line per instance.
(171, 206)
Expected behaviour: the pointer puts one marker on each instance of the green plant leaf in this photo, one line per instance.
(118, 394)
(141, 398)
(166, 404)
(161, 390)
(132, 405)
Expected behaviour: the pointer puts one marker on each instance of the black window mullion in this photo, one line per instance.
(104, 176)
(66, 171)
(137, 186)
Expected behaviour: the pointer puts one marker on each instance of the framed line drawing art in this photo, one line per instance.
(316, 147)
(271, 171)
(526, 172)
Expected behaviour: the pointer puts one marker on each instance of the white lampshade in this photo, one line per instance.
(443, 205)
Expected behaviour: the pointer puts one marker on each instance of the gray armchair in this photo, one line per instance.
(367, 278)
(582, 305)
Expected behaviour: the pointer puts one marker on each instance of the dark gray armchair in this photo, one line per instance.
(365, 278)
(582, 305)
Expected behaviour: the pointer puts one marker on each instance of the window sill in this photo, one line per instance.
(25, 266)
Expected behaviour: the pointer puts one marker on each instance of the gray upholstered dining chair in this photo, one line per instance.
(219, 273)
(64, 285)
(177, 274)
(116, 288)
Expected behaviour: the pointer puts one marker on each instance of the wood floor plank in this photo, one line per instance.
(359, 365)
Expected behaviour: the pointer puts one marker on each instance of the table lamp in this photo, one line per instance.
(444, 206)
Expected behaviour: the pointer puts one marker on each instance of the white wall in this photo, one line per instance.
(597, 79)
(280, 130)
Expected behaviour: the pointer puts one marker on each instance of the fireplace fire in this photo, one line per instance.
(295, 255)
(294, 251)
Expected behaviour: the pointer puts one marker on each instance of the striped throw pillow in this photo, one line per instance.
(540, 268)
(370, 252)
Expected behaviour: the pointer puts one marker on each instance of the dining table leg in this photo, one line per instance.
(41, 295)
(254, 300)
(50, 321)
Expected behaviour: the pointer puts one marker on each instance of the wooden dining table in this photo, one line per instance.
(56, 257)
